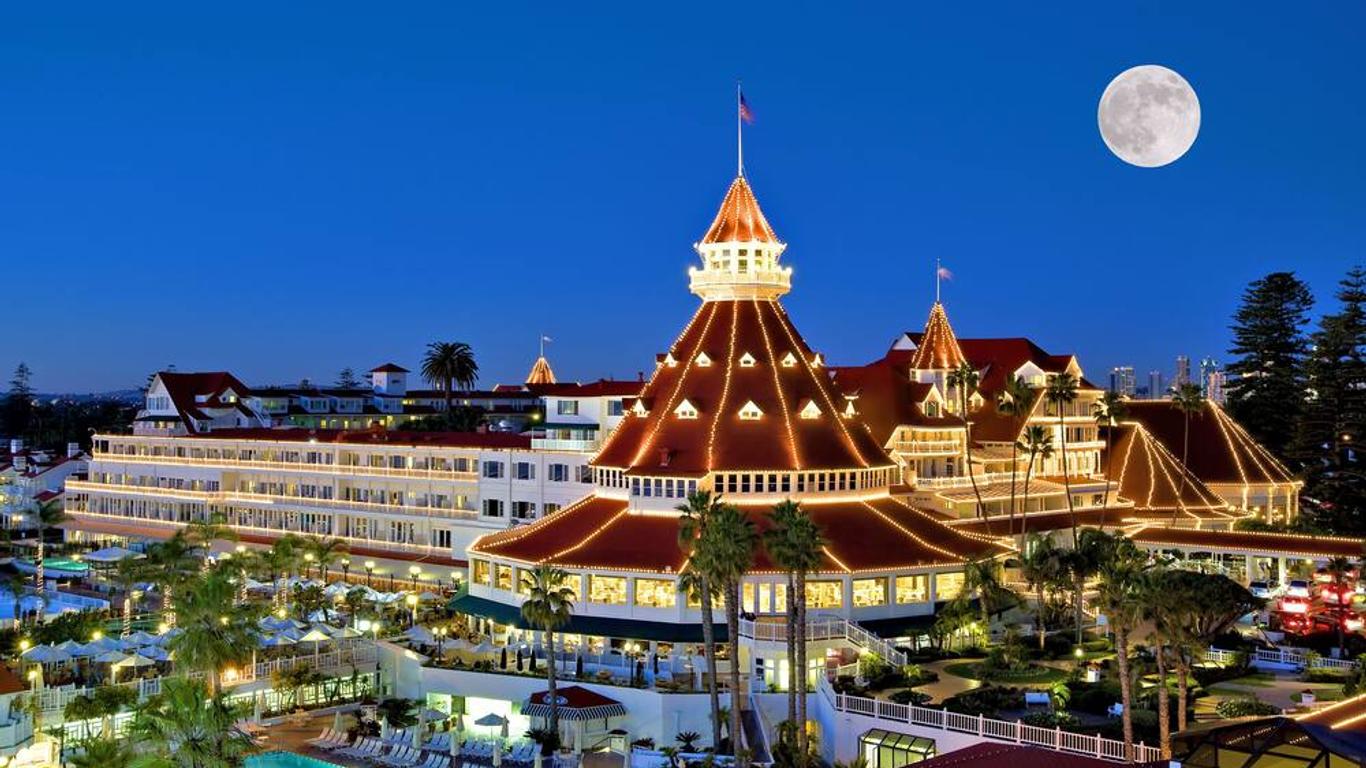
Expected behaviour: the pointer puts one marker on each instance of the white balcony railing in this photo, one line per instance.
(559, 444)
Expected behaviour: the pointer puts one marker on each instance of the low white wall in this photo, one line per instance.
(840, 731)
(649, 713)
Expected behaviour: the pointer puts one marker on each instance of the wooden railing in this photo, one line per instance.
(1011, 731)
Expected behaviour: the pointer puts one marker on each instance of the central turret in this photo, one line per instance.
(740, 252)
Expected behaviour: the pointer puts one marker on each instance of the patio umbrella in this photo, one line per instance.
(154, 652)
(136, 660)
(483, 649)
(105, 643)
(46, 654)
(110, 657)
(275, 641)
(142, 638)
(316, 637)
(74, 648)
(420, 635)
(493, 720)
(344, 633)
(111, 555)
(276, 623)
(336, 588)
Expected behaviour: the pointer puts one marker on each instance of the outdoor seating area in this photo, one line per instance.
(399, 749)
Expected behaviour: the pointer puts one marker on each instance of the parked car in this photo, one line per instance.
(1297, 588)
(1263, 589)
(1335, 594)
(1293, 604)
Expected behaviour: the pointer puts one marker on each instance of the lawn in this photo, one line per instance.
(1036, 674)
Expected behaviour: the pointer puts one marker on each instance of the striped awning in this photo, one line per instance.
(575, 703)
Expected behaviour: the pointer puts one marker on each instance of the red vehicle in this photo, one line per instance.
(1337, 594)
(1296, 605)
(1293, 623)
(1351, 622)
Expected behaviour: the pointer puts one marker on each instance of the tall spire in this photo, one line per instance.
(938, 349)
(740, 252)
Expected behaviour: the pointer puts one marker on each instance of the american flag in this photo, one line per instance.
(944, 274)
(745, 114)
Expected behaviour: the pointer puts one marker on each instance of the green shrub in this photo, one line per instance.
(1094, 698)
(1096, 646)
(988, 700)
(1325, 675)
(908, 696)
(1050, 719)
(1231, 708)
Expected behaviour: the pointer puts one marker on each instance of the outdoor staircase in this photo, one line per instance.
(821, 626)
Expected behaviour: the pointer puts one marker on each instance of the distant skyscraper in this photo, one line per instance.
(1155, 389)
(1208, 366)
(1183, 371)
(1214, 386)
(1122, 380)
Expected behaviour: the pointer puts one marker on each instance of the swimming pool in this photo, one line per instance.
(287, 760)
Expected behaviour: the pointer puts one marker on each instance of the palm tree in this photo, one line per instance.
(727, 548)
(548, 606)
(1340, 570)
(1118, 597)
(103, 752)
(47, 515)
(1038, 445)
(1188, 399)
(1083, 561)
(448, 364)
(1205, 605)
(1042, 566)
(1016, 401)
(1109, 411)
(127, 575)
(185, 727)
(1061, 392)
(201, 533)
(1160, 610)
(778, 542)
(964, 380)
(14, 584)
(984, 577)
(807, 550)
(324, 552)
(217, 632)
(696, 514)
(171, 563)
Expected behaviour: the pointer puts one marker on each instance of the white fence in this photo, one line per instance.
(1298, 658)
(824, 627)
(1014, 732)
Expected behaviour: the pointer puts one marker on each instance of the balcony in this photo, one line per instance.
(557, 444)
(963, 481)
(287, 466)
(928, 447)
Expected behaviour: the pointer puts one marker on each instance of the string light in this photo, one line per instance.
(725, 384)
(938, 349)
(778, 387)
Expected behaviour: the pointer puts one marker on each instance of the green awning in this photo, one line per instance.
(629, 629)
(906, 626)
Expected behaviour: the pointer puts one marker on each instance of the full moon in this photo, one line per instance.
(1149, 116)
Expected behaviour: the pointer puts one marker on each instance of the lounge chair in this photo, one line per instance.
(362, 749)
(328, 736)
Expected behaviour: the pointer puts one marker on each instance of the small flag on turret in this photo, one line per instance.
(945, 274)
(745, 113)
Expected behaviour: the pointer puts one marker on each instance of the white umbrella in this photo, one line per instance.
(142, 638)
(275, 641)
(111, 657)
(342, 633)
(153, 652)
(427, 597)
(314, 635)
(253, 585)
(483, 649)
(72, 647)
(420, 635)
(46, 654)
(336, 588)
(111, 555)
(136, 660)
(105, 643)
(168, 635)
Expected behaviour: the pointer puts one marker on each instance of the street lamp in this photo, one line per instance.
(346, 569)
(308, 558)
(440, 639)
(412, 606)
(414, 571)
(369, 571)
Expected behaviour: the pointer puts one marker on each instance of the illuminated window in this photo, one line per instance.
(747, 360)
(912, 589)
(504, 577)
(655, 593)
(481, 572)
(824, 594)
(779, 598)
(750, 412)
(947, 586)
(870, 592)
(524, 581)
(809, 410)
(638, 408)
(702, 360)
(685, 410)
(789, 360)
(817, 361)
(670, 361)
(607, 590)
(849, 407)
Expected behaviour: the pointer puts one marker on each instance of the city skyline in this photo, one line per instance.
(288, 195)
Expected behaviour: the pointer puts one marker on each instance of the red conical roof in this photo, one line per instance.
(938, 350)
(739, 219)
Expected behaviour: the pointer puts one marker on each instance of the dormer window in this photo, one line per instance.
(810, 410)
(670, 360)
(932, 409)
(750, 412)
(849, 411)
(702, 360)
(638, 409)
(747, 360)
(685, 410)
(789, 360)
(817, 361)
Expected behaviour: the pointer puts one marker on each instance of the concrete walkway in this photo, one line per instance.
(948, 685)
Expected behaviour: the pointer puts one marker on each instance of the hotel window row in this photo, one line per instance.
(802, 482)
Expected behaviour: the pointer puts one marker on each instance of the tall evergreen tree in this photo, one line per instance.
(1329, 432)
(347, 379)
(1268, 393)
(16, 416)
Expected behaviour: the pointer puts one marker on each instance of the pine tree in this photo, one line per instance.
(16, 416)
(1334, 412)
(1269, 345)
(346, 379)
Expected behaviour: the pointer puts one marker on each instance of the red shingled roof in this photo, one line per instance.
(185, 389)
(938, 348)
(1221, 451)
(739, 219)
(989, 755)
(600, 533)
(370, 437)
(718, 439)
(1155, 480)
(389, 368)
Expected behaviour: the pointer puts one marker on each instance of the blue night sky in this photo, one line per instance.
(282, 190)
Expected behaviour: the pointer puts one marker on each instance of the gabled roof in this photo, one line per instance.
(739, 219)
(185, 389)
(938, 348)
(719, 439)
(886, 398)
(1221, 450)
(1156, 481)
(389, 368)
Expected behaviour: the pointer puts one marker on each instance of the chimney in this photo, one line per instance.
(73, 450)
(640, 376)
(664, 456)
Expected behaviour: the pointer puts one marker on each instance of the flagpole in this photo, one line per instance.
(938, 278)
(739, 133)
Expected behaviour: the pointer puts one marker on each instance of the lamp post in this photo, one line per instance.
(345, 564)
(308, 568)
(440, 639)
(412, 607)
(414, 571)
(369, 571)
